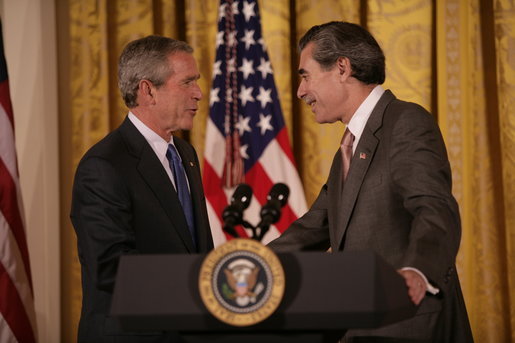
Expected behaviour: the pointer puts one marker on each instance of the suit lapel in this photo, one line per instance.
(334, 185)
(357, 171)
(360, 163)
(155, 176)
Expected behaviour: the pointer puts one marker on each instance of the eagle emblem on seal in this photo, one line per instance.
(242, 286)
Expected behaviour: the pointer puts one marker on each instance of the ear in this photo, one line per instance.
(344, 68)
(146, 92)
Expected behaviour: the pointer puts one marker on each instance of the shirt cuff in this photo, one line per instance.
(429, 288)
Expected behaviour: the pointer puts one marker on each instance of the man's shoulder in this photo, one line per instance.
(391, 111)
(116, 147)
(111, 145)
(405, 110)
(183, 145)
(181, 142)
(401, 106)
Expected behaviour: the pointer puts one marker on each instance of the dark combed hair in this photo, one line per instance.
(146, 59)
(342, 39)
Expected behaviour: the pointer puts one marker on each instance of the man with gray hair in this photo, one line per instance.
(389, 187)
(139, 190)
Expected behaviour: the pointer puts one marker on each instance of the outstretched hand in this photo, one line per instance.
(416, 285)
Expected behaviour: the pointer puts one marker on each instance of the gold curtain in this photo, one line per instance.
(454, 57)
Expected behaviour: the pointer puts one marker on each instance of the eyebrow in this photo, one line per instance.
(192, 78)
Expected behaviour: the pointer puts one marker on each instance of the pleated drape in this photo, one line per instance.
(454, 57)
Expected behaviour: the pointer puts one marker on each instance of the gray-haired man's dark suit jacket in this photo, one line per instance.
(397, 202)
(124, 203)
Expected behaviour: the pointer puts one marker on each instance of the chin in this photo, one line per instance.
(320, 119)
(325, 119)
(187, 127)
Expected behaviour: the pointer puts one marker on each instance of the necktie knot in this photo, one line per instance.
(173, 158)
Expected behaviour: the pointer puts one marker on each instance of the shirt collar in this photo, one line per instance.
(158, 144)
(360, 117)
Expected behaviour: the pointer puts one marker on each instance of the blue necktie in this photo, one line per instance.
(181, 186)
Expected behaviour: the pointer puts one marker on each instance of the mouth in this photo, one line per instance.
(311, 102)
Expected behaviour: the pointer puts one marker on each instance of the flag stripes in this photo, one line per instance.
(245, 125)
(17, 316)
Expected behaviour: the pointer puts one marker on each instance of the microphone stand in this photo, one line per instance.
(247, 225)
(263, 230)
(270, 212)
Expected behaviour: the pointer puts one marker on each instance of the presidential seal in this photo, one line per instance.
(241, 282)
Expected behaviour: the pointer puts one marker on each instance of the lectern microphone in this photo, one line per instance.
(233, 213)
(271, 211)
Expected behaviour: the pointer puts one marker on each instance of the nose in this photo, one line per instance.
(301, 91)
(197, 93)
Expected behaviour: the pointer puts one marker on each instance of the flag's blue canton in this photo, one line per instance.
(259, 111)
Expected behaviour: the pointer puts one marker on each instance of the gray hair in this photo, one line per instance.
(146, 59)
(342, 39)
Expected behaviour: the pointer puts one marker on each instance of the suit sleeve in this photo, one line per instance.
(309, 232)
(420, 173)
(101, 215)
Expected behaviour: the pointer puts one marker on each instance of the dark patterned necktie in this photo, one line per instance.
(346, 147)
(181, 186)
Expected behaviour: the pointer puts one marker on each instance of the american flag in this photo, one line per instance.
(17, 317)
(246, 137)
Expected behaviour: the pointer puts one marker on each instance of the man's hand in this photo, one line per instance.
(416, 285)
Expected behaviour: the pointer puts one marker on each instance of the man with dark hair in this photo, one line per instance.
(389, 187)
(139, 190)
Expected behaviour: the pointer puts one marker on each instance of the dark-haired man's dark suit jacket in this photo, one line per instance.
(397, 202)
(124, 203)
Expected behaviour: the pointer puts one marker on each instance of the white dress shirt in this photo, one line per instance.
(157, 143)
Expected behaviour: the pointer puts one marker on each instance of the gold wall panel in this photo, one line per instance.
(168, 18)
(504, 14)
(403, 30)
(133, 19)
(201, 29)
(466, 125)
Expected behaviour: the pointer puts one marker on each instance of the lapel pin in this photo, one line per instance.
(192, 164)
(362, 155)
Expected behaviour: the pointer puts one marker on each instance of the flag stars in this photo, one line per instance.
(243, 125)
(216, 68)
(265, 68)
(219, 38)
(221, 11)
(223, 8)
(246, 95)
(248, 10)
(247, 68)
(264, 96)
(235, 8)
(264, 123)
(248, 39)
(213, 96)
(243, 151)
